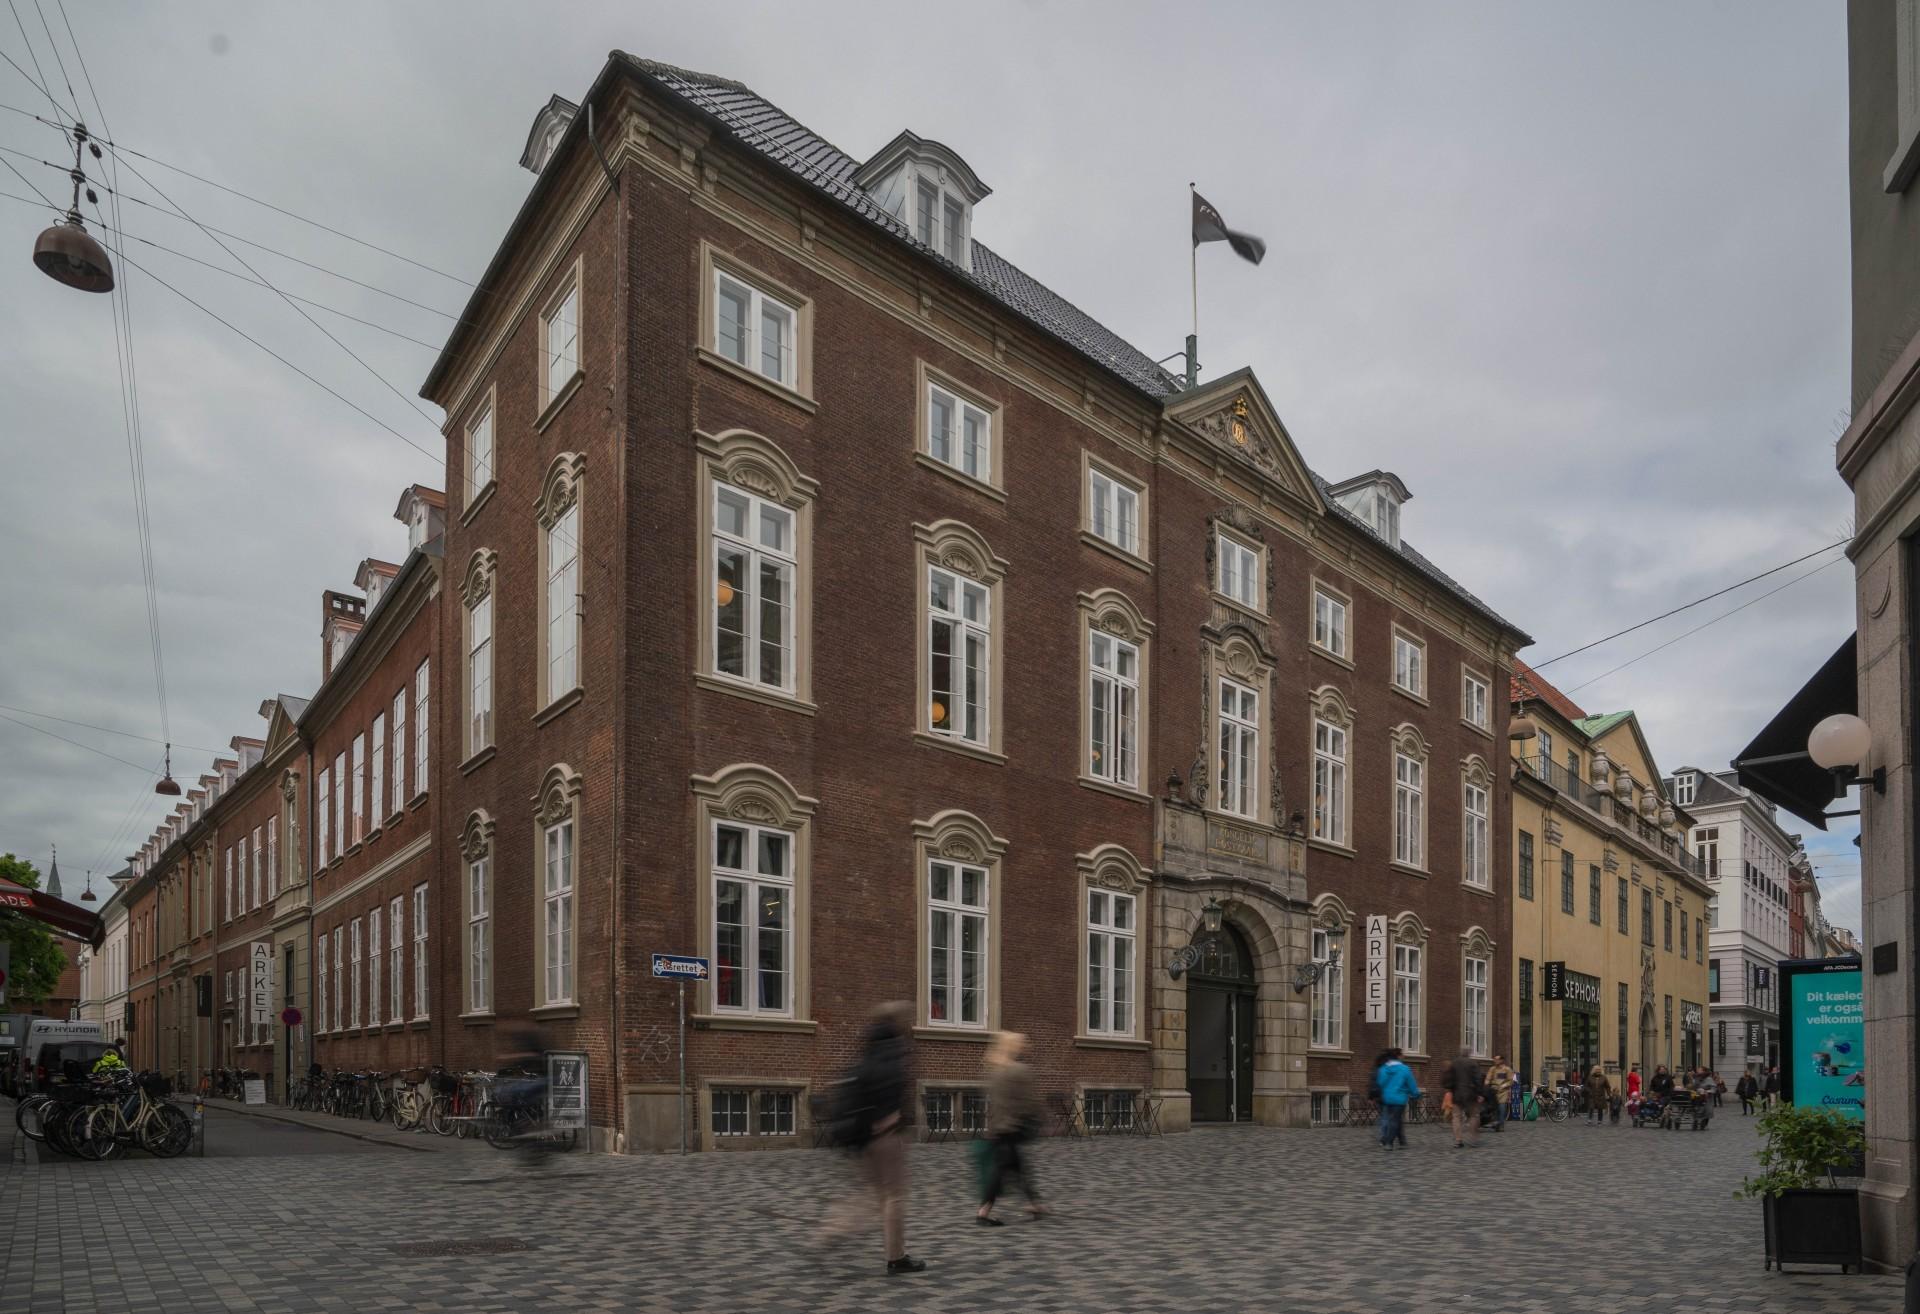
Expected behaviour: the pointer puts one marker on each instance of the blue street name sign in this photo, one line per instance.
(680, 966)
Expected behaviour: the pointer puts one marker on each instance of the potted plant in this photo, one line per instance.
(1810, 1218)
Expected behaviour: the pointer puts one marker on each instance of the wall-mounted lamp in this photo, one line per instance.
(1840, 744)
(1185, 957)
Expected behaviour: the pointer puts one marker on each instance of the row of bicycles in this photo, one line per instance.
(107, 1115)
(502, 1108)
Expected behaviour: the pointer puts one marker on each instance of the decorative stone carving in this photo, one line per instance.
(476, 837)
(755, 793)
(558, 790)
(959, 836)
(754, 462)
(477, 583)
(561, 488)
(1112, 867)
(961, 549)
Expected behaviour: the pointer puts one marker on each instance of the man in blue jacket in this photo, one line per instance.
(1397, 1089)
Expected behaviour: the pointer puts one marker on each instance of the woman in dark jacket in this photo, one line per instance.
(1746, 1088)
(1013, 1110)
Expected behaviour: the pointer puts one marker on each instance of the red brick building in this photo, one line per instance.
(841, 605)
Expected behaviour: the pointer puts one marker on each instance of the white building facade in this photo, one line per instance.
(1751, 862)
(103, 971)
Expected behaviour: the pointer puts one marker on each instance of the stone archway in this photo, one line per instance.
(1273, 940)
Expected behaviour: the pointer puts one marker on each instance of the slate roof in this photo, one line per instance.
(1525, 682)
(756, 122)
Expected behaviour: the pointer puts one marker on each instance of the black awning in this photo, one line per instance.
(1776, 766)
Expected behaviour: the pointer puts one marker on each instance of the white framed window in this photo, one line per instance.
(1409, 1003)
(259, 866)
(480, 452)
(1329, 781)
(558, 906)
(1112, 930)
(1409, 809)
(320, 972)
(1478, 856)
(730, 1112)
(1476, 988)
(940, 219)
(956, 944)
(1328, 1108)
(480, 673)
(959, 433)
(1114, 510)
(1113, 715)
(376, 770)
(560, 341)
(1327, 1006)
(240, 866)
(754, 553)
(960, 650)
(396, 964)
(1476, 700)
(1239, 738)
(356, 789)
(233, 909)
(1239, 570)
(1409, 665)
(479, 935)
(1683, 785)
(420, 951)
(373, 968)
(340, 804)
(753, 919)
(353, 939)
(420, 728)
(1330, 622)
(339, 977)
(754, 330)
(273, 857)
(399, 752)
(563, 602)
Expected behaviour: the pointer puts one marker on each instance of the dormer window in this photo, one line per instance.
(1375, 497)
(928, 188)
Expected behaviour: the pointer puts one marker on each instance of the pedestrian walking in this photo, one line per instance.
(1770, 1088)
(1013, 1116)
(872, 1117)
(1598, 1091)
(1394, 1081)
(1464, 1089)
(1745, 1089)
(1719, 1088)
(1500, 1082)
(1633, 1084)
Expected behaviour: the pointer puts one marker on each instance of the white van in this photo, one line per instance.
(52, 1041)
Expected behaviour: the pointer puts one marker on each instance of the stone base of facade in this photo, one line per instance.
(1887, 1224)
(653, 1120)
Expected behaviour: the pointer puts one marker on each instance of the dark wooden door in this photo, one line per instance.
(1210, 1052)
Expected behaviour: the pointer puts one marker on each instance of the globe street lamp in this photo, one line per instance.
(1840, 744)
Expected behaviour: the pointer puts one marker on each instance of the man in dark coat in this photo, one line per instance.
(1462, 1082)
(877, 1104)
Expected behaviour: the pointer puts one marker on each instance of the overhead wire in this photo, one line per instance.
(101, 752)
(29, 182)
(103, 729)
(119, 834)
(41, 81)
(59, 63)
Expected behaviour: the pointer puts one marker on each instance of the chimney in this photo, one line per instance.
(342, 615)
(372, 579)
(549, 126)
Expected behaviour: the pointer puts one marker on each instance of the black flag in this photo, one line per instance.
(1208, 226)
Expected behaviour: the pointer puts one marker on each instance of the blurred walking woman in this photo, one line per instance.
(1013, 1112)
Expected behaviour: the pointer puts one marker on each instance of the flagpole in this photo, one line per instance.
(1193, 339)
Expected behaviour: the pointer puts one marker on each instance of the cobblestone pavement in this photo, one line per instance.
(1561, 1218)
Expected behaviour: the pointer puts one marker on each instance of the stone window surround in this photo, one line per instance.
(562, 488)
(1406, 740)
(558, 800)
(957, 547)
(755, 795)
(1141, 556)
(1253, 541)
(798, 1087)
(477, 495)
(713, 262)
(1467, 674)
(1113, 613)
(1407, 928)
(1331, 915)
(1115, 869)
(1316, 587)
(475, 585)
(755, 464)
(1476, 943)
(925, 378)
(476, 843)
(1236, 651)
(957, 836)
(1328, 703)
(1399, 634)
(1476, 774)
(549, 401)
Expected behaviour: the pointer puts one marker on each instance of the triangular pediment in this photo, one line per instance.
(1234, 415)
(281, 724)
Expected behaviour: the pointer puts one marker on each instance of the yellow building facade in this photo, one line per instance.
(1610, 910)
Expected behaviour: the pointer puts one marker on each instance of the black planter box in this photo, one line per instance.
(1817, 1225)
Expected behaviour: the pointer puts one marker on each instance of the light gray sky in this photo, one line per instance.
(1578, 275)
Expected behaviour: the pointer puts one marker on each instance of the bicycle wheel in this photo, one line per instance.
(406, 1111)
(167, 1133)
(503, 1126)
(96, 1135)
(30, 1117)
(1558, 1111)
(439, 1116)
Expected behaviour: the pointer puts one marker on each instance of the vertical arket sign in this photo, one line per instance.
(1377, 967)
(260, 984)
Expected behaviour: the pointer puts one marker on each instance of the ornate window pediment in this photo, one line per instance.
(961, 549)
(1113, 612)
(1408, 739)
(1331, 705)
(750, 461)
(1407, 928)
(1476, 772)
(561, 488)
(477, 583)
(476, 837)
(753, 793)
(558, 790)
(959, 836)
(1112, 867)
(1330, 913)
(1476, 943)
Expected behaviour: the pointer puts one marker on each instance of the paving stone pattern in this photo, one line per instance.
(1543, 1218)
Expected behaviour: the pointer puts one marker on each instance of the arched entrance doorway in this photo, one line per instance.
(1220, 1028)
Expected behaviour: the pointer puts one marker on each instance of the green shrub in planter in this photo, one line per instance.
(1809, 1218)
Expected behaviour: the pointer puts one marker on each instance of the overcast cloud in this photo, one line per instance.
(1577, 274)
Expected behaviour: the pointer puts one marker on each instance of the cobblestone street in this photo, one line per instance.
(1562, 1218)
